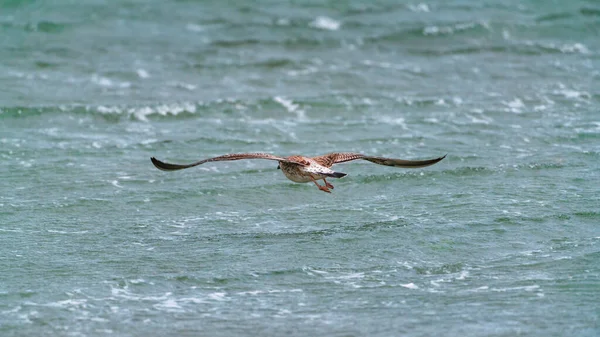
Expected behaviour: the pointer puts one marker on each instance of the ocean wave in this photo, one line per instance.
(46, 27)
(115, 113)
(236, 43)
(565, 48)
(456, 28)
(325, 23)
(452, 268)
(558, 16)
(427, 31)
(554, 16)
(276, 110)
(465, 171)
(42, 26)
(507, 47)
(588, 11)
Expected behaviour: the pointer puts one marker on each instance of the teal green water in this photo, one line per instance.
(501, 238)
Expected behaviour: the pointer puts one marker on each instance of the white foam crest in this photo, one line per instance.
(209, 169)
(570, 93)
(218, 296)
(326, 23)
(283, 22)
(399, 121)
(350, 276)
(28, 163)
(284, 126)
(182, 85)
(11, 311)
(124, 293)
(594, 128)
(387, 65)
(525, 288)
(163, 110)
(306, 71)
(272, 291)
(29, 76)
(290, 107)
(574, 48)
(141, 113)
(405, 264)
(516, 105)
(463, 275)
(169, 305)
(109, 110)
(283, 313)
(71, 304)
(419, 8)
(410, 286)
(446, 30)
(568, 48)
(288, 104)
(142, 73)
(192, 27)
(435, 30)
(479, 289)
(107, 82)
(66, 232)
(480, 120)
(115, 183)
(193, 300)
(312, 272)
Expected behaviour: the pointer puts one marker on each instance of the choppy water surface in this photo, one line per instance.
(502, 238)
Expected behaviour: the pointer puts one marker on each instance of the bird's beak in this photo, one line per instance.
(278, 167)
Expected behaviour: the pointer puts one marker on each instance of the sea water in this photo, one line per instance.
(501, 238)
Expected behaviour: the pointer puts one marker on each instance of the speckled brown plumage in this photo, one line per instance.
(303, 169)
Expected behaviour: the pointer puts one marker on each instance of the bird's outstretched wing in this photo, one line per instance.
(233, 156)
(333, 158)
(329, 159)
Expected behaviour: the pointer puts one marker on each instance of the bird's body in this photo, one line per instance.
(311, 172)
(303, 169)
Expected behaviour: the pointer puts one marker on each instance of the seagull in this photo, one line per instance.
(301, 169)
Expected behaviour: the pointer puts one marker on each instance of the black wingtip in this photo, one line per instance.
(437, 160)
(159, 164)
(154, 161)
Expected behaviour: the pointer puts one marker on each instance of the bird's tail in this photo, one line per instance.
(336, 174)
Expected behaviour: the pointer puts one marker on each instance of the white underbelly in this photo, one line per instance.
(301, 178)
(298, 178)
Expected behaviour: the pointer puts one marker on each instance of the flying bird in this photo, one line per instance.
(303, 169)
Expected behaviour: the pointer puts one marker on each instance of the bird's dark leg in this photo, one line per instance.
(322, 188)
(327, 184)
